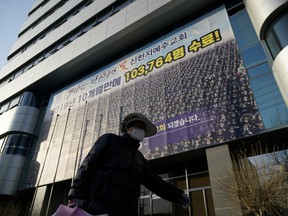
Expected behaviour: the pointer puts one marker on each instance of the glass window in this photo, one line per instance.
(14, 101)
(276, 35)
(1, 144)
(49, 52)
(66, 41)
(263, 84)
(267, 93)
(27, 97)
(50, 13)
(61, 45)
(3, 82)
(10, 142)
(144, 205)
(272, 43)
(18, 73)
(10, 78)
(59, 23)
(30, 99)
(43, 35)
(199, 191)
(17, 144)
(88, 2)
(28, 66)
(48, 31)
(4, 107)
(243, 29)
(75, 12)
(258, 71)
(39, 59)
(120, 6)
(81, 6)
(253, 55)
(104, 16)
(75, 35)
(162, 207)
(29, 45)
(23, 49)
(89, 25)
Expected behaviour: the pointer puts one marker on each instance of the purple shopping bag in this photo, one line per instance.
(75, 211)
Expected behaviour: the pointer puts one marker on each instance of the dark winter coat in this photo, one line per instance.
(110, 176)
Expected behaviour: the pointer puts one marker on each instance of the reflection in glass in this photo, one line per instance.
(120, 6)
(199, 192)
(243, 29)
(15, 101)
(258, 71)
(4, 107)
(27, 99)
(253, 55)
(1, 144)
(17, 144)
(264, 86)
(105, 15)
(276, 35)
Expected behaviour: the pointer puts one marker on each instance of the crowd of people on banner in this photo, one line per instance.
(213, 83)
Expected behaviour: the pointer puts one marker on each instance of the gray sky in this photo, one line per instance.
(13, 13)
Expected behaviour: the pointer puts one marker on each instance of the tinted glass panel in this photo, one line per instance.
(18, 73)
(15, 101)
(243, 29)
(266, 90)
(255, 72)
(75, 35)
(119, 6)
(253, 55)
(263, 84)
(104, 16)
(273, 45)
(89, 25)
(17, 144)
(201, 198)
(276, 36)
(29, 99)
(49, 52)
(1, 144)
(41, 58)
(27, 67)
(4, 107)
(281, 29)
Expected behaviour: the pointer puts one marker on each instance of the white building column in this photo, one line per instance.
(262, 13)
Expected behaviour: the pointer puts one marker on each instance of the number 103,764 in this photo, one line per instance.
(143, 70)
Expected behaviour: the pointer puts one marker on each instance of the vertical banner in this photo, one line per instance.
(191, 83)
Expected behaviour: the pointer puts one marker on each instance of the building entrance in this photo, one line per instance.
(198, 185)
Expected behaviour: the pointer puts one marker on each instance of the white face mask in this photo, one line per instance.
(137, 134)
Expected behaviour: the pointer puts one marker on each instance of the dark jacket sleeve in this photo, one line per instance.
(81, 182)
(161, 188)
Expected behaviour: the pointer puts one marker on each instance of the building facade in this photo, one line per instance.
(210, 74)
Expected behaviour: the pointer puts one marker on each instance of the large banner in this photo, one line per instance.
(191, 83)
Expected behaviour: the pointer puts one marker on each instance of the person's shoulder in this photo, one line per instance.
(109, 136)
(107, 139)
